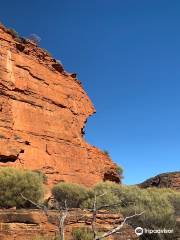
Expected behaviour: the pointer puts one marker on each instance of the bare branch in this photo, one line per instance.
(42, 207)
(94, 217)
(116, 229)
(61, 217)
(62, 220)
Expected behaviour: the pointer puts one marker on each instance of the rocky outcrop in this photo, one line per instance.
(164, 180)
(28, 224)
(43, 111)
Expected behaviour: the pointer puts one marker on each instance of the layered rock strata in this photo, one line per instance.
(31, 224)
(43, 111)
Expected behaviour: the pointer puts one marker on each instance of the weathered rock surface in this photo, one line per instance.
(164, 180)
(43, 111)
(28, 224)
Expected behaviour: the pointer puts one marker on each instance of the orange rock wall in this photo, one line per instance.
(33, 224)
(43, 111)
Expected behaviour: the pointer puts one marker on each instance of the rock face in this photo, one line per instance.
(165, 180)
(43, 111)
(29, 224)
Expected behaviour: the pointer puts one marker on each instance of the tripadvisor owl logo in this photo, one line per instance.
(139, 231)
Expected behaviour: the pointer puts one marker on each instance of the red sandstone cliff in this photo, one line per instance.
(43, 111)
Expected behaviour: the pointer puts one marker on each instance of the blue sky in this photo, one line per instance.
(127, 55)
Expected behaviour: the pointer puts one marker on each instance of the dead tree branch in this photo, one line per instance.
(119, 227)
(61, 218)
(42, 207)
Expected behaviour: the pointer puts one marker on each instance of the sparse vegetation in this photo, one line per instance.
(159, 204)
(119, 171)
(82, 234)
(13, 32)
(34, 38)
(46, 51)
(159, 212)
(106, 153)
(15, 35)
(14, 182)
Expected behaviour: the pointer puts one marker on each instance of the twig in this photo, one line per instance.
(42, 207)
(116, 229)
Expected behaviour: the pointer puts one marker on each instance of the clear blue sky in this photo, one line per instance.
(127, 55)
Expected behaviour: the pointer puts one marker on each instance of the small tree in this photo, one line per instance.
(73, 193)
(14, 182)
(110, 198)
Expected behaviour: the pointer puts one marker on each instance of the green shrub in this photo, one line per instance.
(82, 234)
(158, 210)
(14, 182)
(73, 194)
(173, 196)
(119, 171)
(158, 204)
(106, 153)
(42, 175)
(106, 195)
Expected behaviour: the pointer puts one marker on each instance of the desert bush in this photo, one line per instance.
(106, 153)
(82, 234)
(73, 194)
(14, 182)
(13, 32)
(106, 195)
(158, 204)
(158, 210)
(15, 35)
(173, 196)
(119, 171)
(42, 175)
